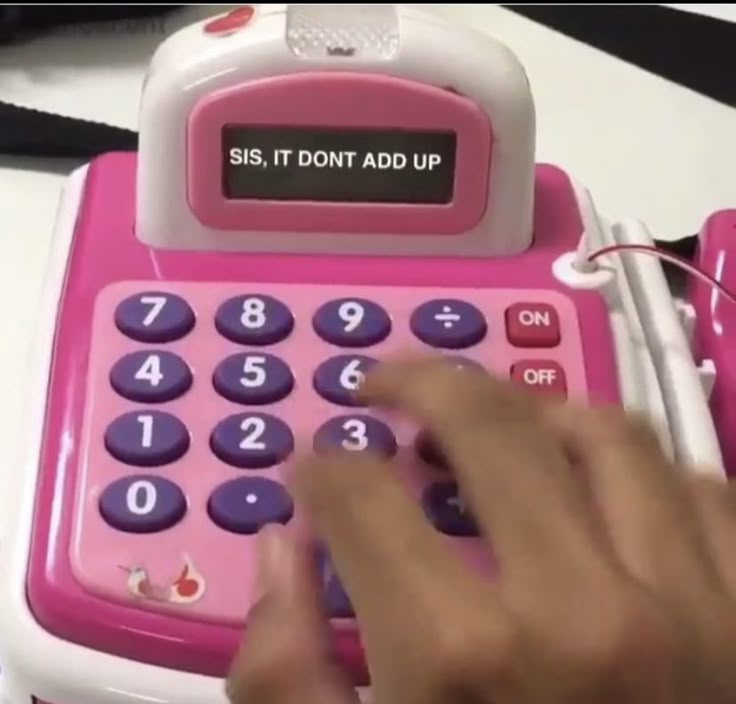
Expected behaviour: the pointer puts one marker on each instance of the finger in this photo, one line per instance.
(285, 656)
(641, 496)
(513, 471)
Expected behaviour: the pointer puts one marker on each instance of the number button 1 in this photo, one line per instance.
(154, 317)
(143, 504)
(151, 376)
(252, 440)
(359, 433)
(253, 379)
(147, 438)
(339, 378)
(352, 322)
(254, 320)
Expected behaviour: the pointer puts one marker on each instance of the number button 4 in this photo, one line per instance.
(352, 323)
(254, 320)
(356, 434)
(151, 376)
(154, 317)
(253, 379)
(339, 378)
(252, 440)
(147, 438)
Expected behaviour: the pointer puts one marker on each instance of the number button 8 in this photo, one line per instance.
(154, 317)
(252, 440)
(254, 320)
(338, 378)
(359, 433)
(352, 323)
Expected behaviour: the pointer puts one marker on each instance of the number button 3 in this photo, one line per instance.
(147, 438)
(253, 379)
(339, 378)
(252, 440)
(352, 323)
(356, 434)
(151, 377)
(154, 317)
(254, 320)
(143, 504)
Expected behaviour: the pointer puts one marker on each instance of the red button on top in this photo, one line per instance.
(231, 22)
(540, 374)
(532, 325)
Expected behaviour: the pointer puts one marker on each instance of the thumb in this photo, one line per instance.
(285, 655)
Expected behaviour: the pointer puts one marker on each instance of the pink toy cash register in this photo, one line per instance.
(316, 188)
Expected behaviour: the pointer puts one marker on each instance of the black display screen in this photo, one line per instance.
(338, 165)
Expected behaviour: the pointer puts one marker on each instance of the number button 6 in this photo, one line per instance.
(339, 378)
(254, 320)
(151, 376)
(352, 322)
(360, 433)
(253, 379)
(143, 504)
(154, 317)
(252, 440)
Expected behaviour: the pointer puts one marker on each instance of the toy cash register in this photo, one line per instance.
(316, 188)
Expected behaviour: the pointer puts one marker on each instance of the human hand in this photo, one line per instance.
(617, 589)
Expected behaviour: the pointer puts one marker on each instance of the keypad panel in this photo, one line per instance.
(198, 395)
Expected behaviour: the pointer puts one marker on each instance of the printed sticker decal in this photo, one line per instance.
(186, 588)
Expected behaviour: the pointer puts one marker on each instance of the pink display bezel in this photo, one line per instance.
(338, 100)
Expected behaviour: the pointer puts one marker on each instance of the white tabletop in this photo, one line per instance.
(645, 147)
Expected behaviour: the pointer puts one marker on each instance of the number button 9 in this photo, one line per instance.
(254, 320)
(143, 504)
(151, 376)
(360, 433)
(253, 379)
(154, 317)
(252, 440)
(352, 323)
(339, 378)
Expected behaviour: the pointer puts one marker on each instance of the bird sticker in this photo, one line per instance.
(186, 587)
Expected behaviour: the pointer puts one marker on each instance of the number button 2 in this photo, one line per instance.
(151, 376)
(352, 322)
(154, 317)
(359, 433)
(253, 379)
(252, 440)
(143, 504)
(339, 378)
(147, 438)
(254, 320)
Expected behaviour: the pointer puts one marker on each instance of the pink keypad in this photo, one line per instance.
(200, 394)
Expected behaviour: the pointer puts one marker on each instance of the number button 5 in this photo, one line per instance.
(352, 323)
(151, 376)
(254, 320)
(252, 440)
(339, 378)
(356, 434)
(253, 379)
(154, 317)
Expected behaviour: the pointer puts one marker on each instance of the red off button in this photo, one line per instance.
(532, 325)
(231, 22)
(542, 375)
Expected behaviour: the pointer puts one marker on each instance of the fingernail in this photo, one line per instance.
(276, 561)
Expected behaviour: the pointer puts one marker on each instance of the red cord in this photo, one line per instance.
(667, 256)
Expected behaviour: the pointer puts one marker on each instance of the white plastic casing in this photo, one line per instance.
(191, 64)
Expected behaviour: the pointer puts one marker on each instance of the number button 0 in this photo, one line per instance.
(339, 378)
(151, 376)
(359, 433)
(246, 504)
(154, 317)
(352, 323)
(252, 440)
(253, 379)
(147, 438)
(143, 504)
(254, 320)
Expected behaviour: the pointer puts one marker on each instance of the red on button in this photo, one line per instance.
(532, 325)
(231, 22)
(540, 374)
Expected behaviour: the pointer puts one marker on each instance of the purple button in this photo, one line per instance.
(359, 433)
(147, 438)
(430, 453)
(448, 323)
(462, 363)
(446, 511)
(336, 600)
(254, 319)
(352, 322)
(247, 504)
(338, 378)
(252, 440)
(154, 316)
(151, 376)
(253, 379)
(142, 504)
